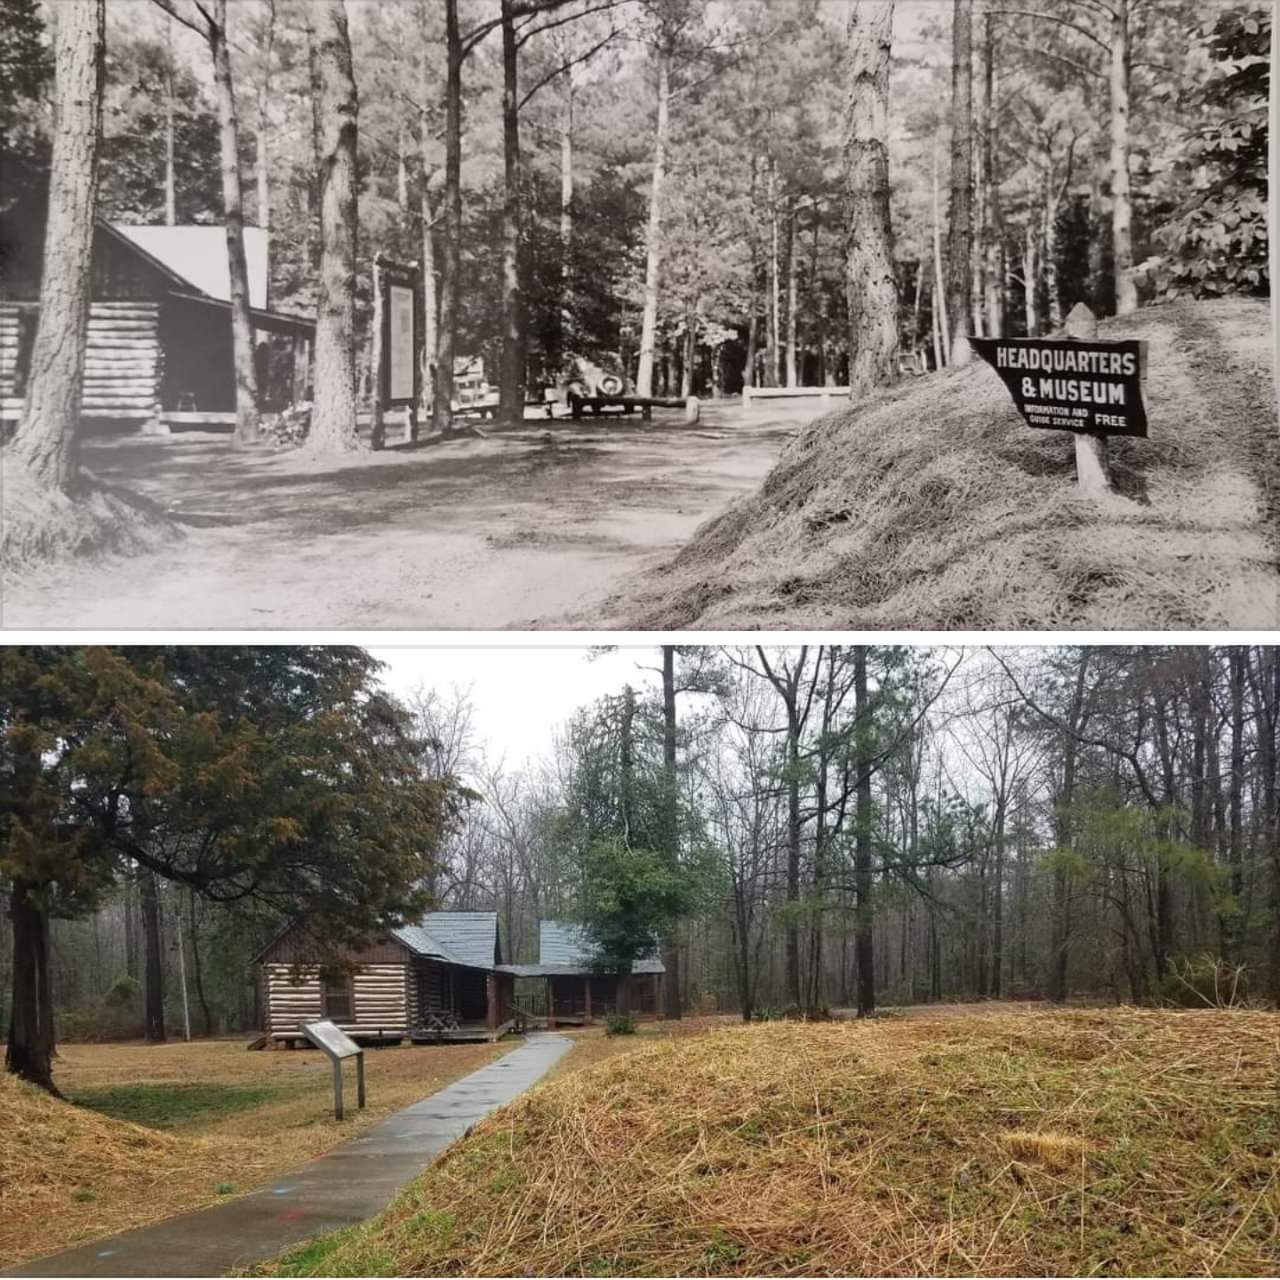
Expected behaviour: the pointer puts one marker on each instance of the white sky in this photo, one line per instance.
(520, 696)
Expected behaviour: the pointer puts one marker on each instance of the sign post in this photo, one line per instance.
(1080, 383)
(331, 1040)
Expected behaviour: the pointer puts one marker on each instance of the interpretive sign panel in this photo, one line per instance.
(402, 343)
(330, 1039)
(398, 337)
(1072, 385)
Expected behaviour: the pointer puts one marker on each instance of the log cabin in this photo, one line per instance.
(159, 352)
(441, 979)
(578, 993)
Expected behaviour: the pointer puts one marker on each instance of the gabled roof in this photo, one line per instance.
(460, 937)
(564, 947)
(197, 255)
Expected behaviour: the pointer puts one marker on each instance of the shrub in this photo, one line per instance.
(1205, 981)
(124, 992)
(619, 1024)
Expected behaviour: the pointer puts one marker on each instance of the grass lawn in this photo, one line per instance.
(1117, 1142)
(154, 1130)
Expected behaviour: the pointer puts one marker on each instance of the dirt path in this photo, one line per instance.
(520, 529)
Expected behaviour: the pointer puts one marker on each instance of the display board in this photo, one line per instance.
(398, 337)
(401, 348)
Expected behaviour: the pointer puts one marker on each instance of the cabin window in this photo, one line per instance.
(336, 998)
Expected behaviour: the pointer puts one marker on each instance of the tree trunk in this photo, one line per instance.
(511, 373)
(430, 299)
(29, 1054)
(170, 113)
(566, 336)
(864, 949)
(131, 966)
(960, 236)
(671, 943)
(153, 982)
(449, 258)
(689, 358)
(1031, 278)
(197, 966)
(1236, 663)
(653, 241)
(773, 358)
(994, 248)
(263, 156)
(46, 442)
(233, 214)
(1052, 286)
(793, 291)
(870, 280)
(333, 416)
(939, 287)
(1121, 204)
(1064, 832)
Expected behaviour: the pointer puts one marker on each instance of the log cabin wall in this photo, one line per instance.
(15, 350)
(292, 997)
(122, 370)
(380, 997)
(123, 364)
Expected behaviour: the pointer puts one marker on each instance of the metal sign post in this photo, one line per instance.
(331, 1040)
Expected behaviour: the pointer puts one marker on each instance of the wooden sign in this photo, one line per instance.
(396, 289)
(1072, 385)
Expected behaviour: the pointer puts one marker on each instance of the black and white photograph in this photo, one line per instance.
(742, 960)
(637, 315)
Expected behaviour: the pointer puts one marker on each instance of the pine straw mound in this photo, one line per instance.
(69, 1174)
(1121, 1142)
(935, 507)
(38, 527)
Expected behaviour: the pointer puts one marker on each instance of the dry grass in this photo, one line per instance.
(591, 1045)
(38, 527)
(934, 506)
(1117, 1142)
(94, 1175)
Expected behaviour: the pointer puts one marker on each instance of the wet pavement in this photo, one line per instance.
(338, 1189)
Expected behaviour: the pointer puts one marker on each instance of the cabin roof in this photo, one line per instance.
(461, 937)
(197, 255)
(564, 948)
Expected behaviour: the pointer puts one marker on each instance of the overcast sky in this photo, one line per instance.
(520, 696)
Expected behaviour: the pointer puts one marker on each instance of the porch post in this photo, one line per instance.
(551, 1012)
(491, 992)
(587, 984)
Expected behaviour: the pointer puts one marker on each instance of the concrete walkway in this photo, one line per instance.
(342, 1187)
